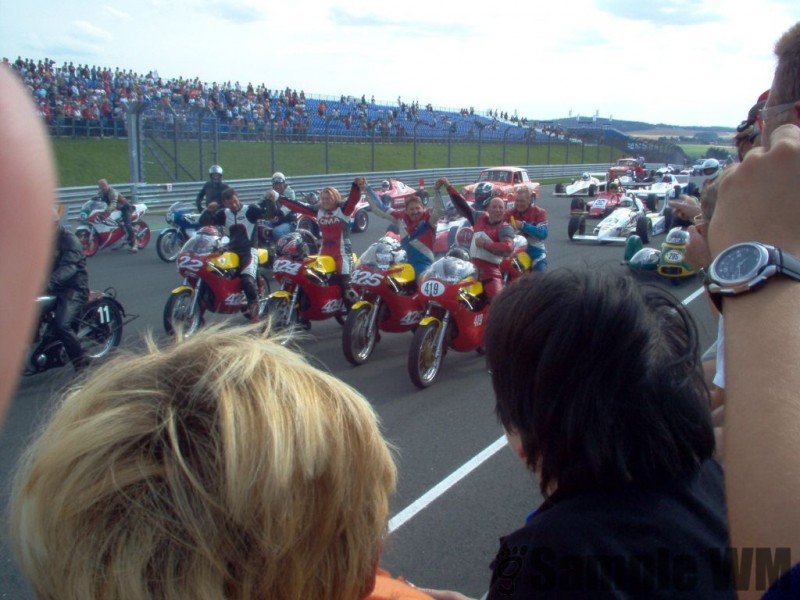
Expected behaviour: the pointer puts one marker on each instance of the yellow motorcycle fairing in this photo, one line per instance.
(285, 294)
(322, 263)
(523, 260)
(360, 303)
(403, 273)
(263, 256)
(225, 262)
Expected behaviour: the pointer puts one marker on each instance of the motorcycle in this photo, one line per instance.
(456, 309)
(98, 231)
(512, 266)
(98, 326)
(184, 221)
(211, 282)
(309, 284)
(669, 261)
(358, 223)
(388, 299)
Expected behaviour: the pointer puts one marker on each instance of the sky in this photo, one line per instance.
(678, 62)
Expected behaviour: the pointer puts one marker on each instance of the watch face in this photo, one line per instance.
(739, 263)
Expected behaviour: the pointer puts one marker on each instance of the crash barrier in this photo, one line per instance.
(159, 197)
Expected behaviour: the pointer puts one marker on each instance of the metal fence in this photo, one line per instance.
(159, 197)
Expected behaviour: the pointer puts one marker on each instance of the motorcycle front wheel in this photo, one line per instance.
(179, 316)
(357, 343)
(89, 240)
(100, 328)
(142, 232)
(423, 364)
(169, 244)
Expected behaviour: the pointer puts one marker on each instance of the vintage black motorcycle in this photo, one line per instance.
(98, 327)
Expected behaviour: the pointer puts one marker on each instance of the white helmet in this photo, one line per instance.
(278, 177)
(586, 177)
(711, 169)
(385, 185)
(215, 170)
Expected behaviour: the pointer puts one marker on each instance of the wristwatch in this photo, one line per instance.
(745, 267)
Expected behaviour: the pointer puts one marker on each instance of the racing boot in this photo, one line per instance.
(349, 295)
(251, 292)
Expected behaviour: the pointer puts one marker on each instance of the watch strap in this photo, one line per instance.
(788, 264)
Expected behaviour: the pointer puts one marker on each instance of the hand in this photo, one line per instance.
(480, 242)
(697, 255)
(442, 181)
(758, 200)
(213, 206)
(361, 182)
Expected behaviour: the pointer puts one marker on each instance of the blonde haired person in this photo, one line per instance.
(224, 467)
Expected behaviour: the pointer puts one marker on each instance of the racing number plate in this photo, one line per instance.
(432, 288)
(673, 256)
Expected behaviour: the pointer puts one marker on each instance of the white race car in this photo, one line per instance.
(667, 187)
(630, 217)
(589, 184)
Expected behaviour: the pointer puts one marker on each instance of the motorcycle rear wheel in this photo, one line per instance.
(423, 365)
(142, 232)
(100, 328)
(169, 244)
(179, 316)
(89, 240)
(357, 343)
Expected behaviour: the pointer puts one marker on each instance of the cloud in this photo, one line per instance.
(119, 14)
(343, 18)
(666, 12)
(235, 12)
(90, 32)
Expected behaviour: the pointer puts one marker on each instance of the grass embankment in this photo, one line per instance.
(84, 161)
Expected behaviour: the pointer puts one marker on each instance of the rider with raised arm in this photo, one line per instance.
(115, 200)
(416, 224)
(530, 220)
(334, 217)
(492, 239)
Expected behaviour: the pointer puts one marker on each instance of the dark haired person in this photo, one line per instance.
(599, 387)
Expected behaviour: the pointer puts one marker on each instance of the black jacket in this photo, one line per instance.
(69, 268)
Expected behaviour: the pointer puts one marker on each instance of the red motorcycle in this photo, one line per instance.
(388, 299)
(455, 316)
(211, 282)
(515, 264)
(99, 230)
(310, 289)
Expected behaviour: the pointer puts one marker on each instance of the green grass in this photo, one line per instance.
(84, 161)
(694, 151)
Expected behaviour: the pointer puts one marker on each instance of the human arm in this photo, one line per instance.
(458, 200)
(762, 407)
(538, 228)
(374, 200)
(255, 212)
(69, 259)
(349, 206)
(200, 195)
(503, 246)
(298, 207)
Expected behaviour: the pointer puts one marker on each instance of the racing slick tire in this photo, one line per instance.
(644, 228)
(423, 366)
(360, 221)
(667, 219)
(650, 202)
(592, 190)
(357, 343)
(559, 188)
(577, 224)
(577, 204)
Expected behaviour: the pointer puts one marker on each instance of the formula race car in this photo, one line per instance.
(394, 192)
(588, 185)
(667, 187)
(603, 205)
(631, 217)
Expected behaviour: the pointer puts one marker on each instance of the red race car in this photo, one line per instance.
(504, 180)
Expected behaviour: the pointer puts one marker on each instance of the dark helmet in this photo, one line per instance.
(483, 192)
(292, 245)
(459, 252)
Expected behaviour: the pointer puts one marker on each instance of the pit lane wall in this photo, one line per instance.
(159, 197)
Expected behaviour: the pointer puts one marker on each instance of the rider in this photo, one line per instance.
(69, 282)
(531, 221)
(115, 200)
(240, 221)
(492, 240)
(483, 193)
(212, 190)
(416, 223)
(280, 216)
(334, 217)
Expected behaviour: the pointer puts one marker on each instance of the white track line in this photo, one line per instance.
(421, 503)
